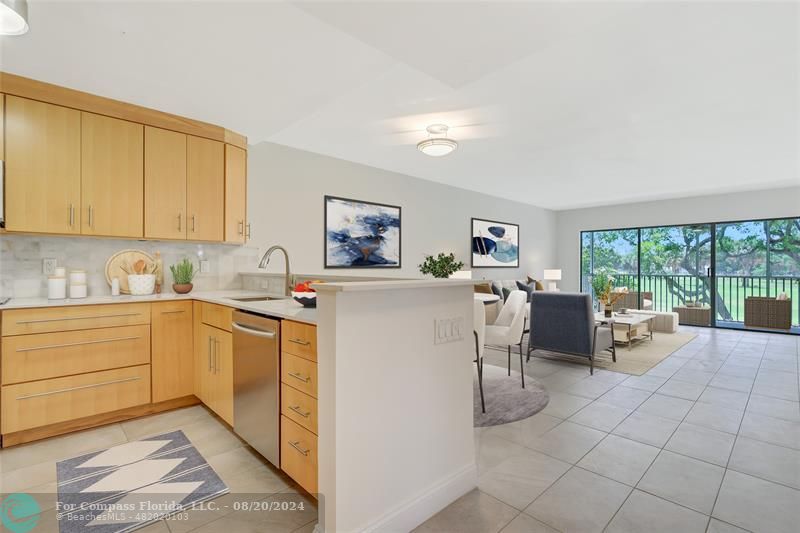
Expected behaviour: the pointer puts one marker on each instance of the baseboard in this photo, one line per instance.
(417, 510)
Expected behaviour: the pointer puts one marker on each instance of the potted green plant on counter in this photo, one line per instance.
(603, 287)
(441, 266)
(182, 275)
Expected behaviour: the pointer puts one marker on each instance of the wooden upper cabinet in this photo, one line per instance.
(205, 189)
(164, 184)
(43, 167)
(235, 194)
(112, 177)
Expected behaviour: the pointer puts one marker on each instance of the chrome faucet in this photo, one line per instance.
(265, 261)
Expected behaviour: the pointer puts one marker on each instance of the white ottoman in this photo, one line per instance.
(664, 322)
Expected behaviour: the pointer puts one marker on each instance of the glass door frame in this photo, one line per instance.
(712, 271)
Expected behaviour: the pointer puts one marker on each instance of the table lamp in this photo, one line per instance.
(552, 276)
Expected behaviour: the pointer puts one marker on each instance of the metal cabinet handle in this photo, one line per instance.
(70, 389)
(91, 216)
(173, 312)
(301, 342)
(296, 409)
(247, 231)
(216, 355)
(300, 377)
(254, 332)
(42, 320)
(193, 221)
(69, 344)
(296, 446)
(241, 227)
(180, 219)
(71, 215)
(209, 353)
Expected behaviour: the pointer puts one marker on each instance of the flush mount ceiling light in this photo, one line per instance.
(13, 17)
(437, 144)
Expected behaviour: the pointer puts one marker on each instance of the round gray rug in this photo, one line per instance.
(506, 400)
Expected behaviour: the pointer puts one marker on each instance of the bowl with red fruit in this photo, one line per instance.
(304, 294)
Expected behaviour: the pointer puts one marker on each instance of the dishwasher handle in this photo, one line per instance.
(254, 332)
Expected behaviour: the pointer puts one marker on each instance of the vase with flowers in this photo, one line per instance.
(603, 287)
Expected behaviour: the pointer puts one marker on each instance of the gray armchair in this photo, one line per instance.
(564, 322)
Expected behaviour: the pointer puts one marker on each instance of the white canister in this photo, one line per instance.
(56, 288)
(141, 284)
(77, 277)
(61, 272)
(77, 290)
(115, 287)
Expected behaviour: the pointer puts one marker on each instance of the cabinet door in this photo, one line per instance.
(223, 368)
(235, 194)
(164, 184)
(43, 167)
(205, 192)
(172, 353)
(112, 177)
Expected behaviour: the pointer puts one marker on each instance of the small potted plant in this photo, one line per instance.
(603, 287)
(182, 276)
(441, 266)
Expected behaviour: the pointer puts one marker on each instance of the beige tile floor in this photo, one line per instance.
(708, 440)
(30, 468)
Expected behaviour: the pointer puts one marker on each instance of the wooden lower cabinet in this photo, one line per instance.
(40, 403)
(172, 350)
(299, 454)
(214, 370)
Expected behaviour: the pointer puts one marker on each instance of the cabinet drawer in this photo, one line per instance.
(50, 319)
(218, 316)
(299, 454)
(50, 355)
(40, 403)
(299, 339)
(299, 373)
(299, 407)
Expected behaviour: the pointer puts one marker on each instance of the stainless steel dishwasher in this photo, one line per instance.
(256, 383)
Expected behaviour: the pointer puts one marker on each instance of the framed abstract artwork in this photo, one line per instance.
(494, 244)
(361, 234)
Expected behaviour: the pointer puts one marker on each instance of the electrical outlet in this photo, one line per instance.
(49, 267)
(448, 330)
(205, 266)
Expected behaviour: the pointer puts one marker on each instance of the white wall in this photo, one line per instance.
(286, 187)
(770, 203)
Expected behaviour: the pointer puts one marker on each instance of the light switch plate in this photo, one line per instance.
(49, 267)
(448, 330)
(205, 266)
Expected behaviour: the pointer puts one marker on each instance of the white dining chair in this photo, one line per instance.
(479, 329)
(508, 328)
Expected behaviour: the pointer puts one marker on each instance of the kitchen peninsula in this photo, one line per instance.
(392, 403)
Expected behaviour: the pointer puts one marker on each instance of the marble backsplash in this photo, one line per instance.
(21, 262)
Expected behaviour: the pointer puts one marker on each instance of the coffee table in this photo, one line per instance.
(631, 321)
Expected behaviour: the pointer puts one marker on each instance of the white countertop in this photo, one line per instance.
(282, 308)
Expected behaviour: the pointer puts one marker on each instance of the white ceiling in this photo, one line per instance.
(557, 104)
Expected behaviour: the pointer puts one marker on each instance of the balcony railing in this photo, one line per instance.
(673, 290)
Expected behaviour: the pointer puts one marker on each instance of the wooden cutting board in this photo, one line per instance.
(125, 258)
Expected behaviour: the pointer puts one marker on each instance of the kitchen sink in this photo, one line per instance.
(256, 299)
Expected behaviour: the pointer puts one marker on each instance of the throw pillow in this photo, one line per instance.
(528, 288)
(536, 283)
(497, 291)
(483, 288)
(506, 292)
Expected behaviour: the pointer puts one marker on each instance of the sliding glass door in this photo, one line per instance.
(704, 272)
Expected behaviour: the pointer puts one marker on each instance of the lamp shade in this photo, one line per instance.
(553, 274)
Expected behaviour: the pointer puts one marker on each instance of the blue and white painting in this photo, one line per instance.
(361, 234)
(494, 244)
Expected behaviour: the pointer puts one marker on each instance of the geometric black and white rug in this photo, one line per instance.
(134, 484)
